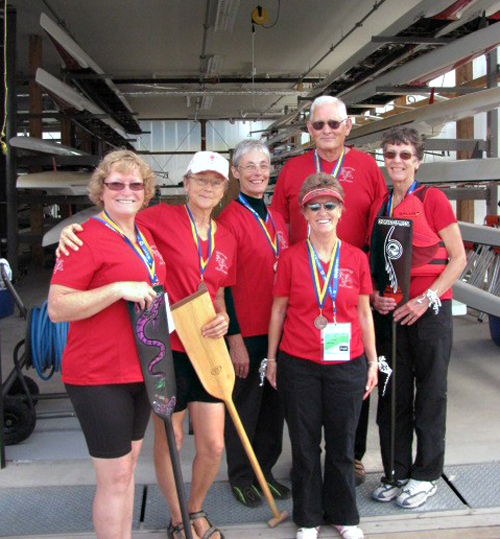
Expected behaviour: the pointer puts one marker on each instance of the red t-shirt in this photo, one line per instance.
(171, 230)
(439, 215)
(101, 349)
(252, 293)
(360, 178)
(294, 280)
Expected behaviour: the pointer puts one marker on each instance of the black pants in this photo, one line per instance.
(261, 413)
(329, 397)
(423, 355)
(362, 430)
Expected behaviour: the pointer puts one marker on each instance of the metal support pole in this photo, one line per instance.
(10, 131)
(492, 127)
(2, 441)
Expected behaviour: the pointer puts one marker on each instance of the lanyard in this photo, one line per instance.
(273, 243)
(211, 241)
(330, 280)
(336, 169)
(140, 248)
(390, 209)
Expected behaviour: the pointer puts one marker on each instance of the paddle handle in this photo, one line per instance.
(179, 482)
(253, 459)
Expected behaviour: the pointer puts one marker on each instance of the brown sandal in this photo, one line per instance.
(175, 532)
(211, 530)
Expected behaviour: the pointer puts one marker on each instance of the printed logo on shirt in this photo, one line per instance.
(221, 261)
(157, 255)
(59, 265)
(282, 240)
(345, 278)
(346, 175)
(410, 214)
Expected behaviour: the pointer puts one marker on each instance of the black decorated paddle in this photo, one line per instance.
(150, 327)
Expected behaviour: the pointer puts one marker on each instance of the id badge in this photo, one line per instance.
(337, 342)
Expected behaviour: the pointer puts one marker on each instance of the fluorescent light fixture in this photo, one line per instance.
(214, 65)
(226, 15)
(206, 102)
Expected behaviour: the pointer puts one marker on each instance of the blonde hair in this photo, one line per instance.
(123, 161)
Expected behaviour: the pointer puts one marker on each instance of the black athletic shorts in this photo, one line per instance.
(112, 416)
(189, 387)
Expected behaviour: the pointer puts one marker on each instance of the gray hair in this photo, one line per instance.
(249, 145)
(328, 100)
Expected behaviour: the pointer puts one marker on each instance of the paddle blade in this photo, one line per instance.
(210, 357)
(152, 341)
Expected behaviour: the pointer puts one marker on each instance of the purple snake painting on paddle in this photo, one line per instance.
(162, 405)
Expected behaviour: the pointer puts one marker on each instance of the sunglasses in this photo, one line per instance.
(205, 182)
(405, 156)
(332, 124)
(119, 186)
(328, 206)
(252, 168)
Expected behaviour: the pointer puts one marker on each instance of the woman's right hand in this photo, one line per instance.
(382, 304)
(68, 238)
(138, 292)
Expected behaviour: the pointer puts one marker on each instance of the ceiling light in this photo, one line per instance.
(226, 15)
(206, 102)
(214, 65)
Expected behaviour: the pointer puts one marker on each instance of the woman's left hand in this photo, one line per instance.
(217, 327)
(411, 311)
(372, 379)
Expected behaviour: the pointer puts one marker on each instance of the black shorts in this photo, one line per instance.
(112, 416)
(189, 387)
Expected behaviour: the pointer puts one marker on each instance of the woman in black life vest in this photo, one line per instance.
(424, 326)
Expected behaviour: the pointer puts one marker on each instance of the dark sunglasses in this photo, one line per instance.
(405, 156)
(332, 124)
(119, 186)
(315, 206)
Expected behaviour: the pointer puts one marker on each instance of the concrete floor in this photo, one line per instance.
(55, 454)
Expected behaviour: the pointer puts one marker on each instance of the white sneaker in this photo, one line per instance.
(308, 533)
(386, 492)
(350, 532)
(415, 493)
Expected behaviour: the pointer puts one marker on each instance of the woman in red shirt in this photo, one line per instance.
(424, 329)
(118, 262)
(196, 250)
(321, 312)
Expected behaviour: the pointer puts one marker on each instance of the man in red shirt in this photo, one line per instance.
(362, 181)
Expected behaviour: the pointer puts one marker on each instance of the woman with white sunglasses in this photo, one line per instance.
(327, 363)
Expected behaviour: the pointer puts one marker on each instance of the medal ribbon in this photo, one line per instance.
(330, 280)
(273, 243)
(211, 241)
(390, 209)
(336, 169)
(141, 249)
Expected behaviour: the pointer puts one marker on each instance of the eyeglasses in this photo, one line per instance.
(119, 186)
(332, 124)
(328, 206)
(404, 155)
(205, 182)
(252, 168)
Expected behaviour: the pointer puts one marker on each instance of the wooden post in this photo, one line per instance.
(35, 130)
(465, 129)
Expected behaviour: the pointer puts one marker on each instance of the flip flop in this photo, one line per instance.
(211, 530)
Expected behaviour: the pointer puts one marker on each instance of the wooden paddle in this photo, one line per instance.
(152, 340)
(212, 363)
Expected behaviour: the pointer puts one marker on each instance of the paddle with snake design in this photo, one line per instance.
(152, 341)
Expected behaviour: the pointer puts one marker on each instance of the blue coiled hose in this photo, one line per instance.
(47, 342)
